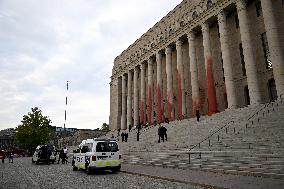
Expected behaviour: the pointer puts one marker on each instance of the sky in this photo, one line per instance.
(44, 44)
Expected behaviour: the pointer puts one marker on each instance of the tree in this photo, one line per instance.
(34, 130)
(105, 127)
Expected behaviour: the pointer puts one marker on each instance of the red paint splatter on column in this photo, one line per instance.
(212, 102)
(149, 105)
(179, 96)
(159, 100)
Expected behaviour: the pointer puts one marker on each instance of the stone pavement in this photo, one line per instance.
(205, 179)
(22, 174)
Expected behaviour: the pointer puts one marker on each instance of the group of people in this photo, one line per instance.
(62, 155)
(10, 157)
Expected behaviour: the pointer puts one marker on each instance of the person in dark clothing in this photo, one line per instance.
(197, 115)
(159, 133)
(3, 157)
(162, 131)
(129, 128)
(125, 137)
(122, 137)
(61, 154)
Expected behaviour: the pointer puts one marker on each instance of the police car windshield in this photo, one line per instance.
(106, 147)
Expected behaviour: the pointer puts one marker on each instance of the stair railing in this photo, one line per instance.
(226, 128)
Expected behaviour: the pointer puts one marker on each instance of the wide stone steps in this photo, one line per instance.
(249, 147)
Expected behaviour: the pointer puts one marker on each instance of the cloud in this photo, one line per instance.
(45, 43)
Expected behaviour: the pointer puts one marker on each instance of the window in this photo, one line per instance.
(209, 4)
(237, 21)
(258, 9)
(266, 52)
(106, 147)
(242, 60)
(86, 148)
(194, 15)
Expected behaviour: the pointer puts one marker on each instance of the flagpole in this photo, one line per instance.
(65, 113)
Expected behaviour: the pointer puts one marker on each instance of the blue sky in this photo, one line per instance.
(45, 43)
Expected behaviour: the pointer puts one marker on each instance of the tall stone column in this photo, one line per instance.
(227, 61)
(143, 94)
(249, 53)
(275, 40)
(159, 87)
(180, 80)
(211, 91)
(169, 82)
(129, 99)
(150, 91)
(123, 103)
(136, 96)
(193, 73)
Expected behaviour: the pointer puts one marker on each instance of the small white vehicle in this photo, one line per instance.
(44, 154)
(95, 154)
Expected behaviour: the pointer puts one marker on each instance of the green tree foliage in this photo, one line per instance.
(34, 130)
(105, 127)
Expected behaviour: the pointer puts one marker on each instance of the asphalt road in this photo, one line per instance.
(22, 174)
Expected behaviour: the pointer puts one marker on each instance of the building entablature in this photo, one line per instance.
(197, 15)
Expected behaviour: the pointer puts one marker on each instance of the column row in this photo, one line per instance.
(146, 101)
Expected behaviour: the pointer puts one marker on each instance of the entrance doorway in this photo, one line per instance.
(247, 98)
(272, 90)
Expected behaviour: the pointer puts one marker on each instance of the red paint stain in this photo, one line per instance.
(159, 103)
(212, 102)
(150, 105)
(142, 112)
(169, 108)
(179, 96)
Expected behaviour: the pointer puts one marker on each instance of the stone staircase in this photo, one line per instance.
(246, 146)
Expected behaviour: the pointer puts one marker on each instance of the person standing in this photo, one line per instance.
(11, 157)
(3, 157)
(125, 137)
(197, 115)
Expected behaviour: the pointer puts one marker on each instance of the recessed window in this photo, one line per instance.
(242, 59)
(258, 9)
(209, 4)
(266, 52)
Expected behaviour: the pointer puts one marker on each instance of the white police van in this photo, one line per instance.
(94, 154)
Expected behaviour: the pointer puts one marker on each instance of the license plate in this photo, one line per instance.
(102, 157)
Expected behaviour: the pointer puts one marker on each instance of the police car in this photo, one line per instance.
(94, 154)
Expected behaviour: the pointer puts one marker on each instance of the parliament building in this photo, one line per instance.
(205, 55)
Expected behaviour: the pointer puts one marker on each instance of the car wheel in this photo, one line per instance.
(33, 160)
(115, 170)
(37, 162)
(75, 168)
